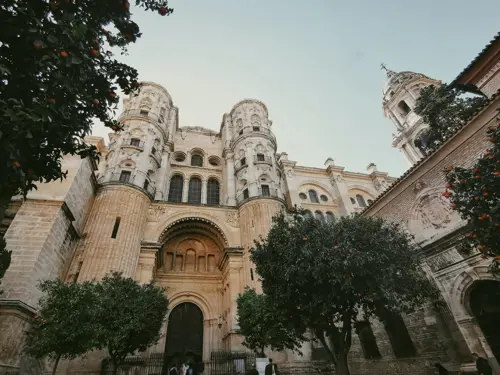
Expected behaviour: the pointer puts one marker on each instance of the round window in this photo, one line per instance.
(303, 196)
(179, 157)
(214, 161)
(324, 198)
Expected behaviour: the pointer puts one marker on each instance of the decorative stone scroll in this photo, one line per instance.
(233, 219)
(434, 211)
(156, 212)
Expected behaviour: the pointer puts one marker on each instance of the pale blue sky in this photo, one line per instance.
(315, 64)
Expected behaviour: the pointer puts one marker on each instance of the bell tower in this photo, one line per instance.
(400, 96)
(134, 174)
(257, 177)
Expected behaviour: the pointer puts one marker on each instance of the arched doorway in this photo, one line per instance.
(184, 341)
(485, 305)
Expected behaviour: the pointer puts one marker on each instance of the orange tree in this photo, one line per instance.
(57, 74)
(324, 275)
(64, 326)
(475, 194)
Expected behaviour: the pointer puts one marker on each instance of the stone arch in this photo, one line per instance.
(368, 190)
(196, 175)
(177, 173)
(318, 184)
(209, 311)
(197, 151)
(200, 217)
(125, 163)
(462, 287)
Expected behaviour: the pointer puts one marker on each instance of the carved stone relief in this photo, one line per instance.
(419, 185)
(434, 211)
(156, 212)
(339, 178)
(263, 167)
(443, 259)
(233, 219)
(239, 123)
(290, 173)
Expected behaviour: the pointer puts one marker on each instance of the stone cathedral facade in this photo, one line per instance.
(183, 205)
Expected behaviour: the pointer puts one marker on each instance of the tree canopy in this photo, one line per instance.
(128, 316)
(444, 109)
(263, 325)
(5, 258)
(325, 275)
(475, 193)
(115, 313)
(64, 326)
(57, 74)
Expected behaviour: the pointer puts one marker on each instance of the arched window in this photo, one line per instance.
(175, 189)
(261, 157)
(197, 160)
(308, 213)
(361, 200)
(213, 192)
(194, 193)
(313, 196)
(319, 215)
(404, 108)
(330, 217)
(400, 339)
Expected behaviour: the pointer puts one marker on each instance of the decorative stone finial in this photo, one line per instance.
(372, 167)
(329, 162)
(388, 72)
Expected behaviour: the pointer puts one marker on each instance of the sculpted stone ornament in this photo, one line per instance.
(339, 178)
(419, 185)
(156, 212)
(434, 211)
(233, 219)
(290, 173)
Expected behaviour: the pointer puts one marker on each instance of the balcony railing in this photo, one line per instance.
(240, 164)
(157, 155)
(133, 180)
(143, 113)
(268, 193)
(258, 130)
(127, 142)
(262, 159)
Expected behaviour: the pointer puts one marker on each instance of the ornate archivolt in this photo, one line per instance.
(178, 297)
(210, 223)
(459, 293)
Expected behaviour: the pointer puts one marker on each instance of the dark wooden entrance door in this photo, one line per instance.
(184, 335)
(485, 304)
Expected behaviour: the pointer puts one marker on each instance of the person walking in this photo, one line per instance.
(482, 365)
(253, 370)
(271, 368)
(441, 369)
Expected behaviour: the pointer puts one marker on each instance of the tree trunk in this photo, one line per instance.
(342, 367)
(115, 366)
(56, 363)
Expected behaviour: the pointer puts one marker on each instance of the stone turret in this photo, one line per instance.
(400, 96)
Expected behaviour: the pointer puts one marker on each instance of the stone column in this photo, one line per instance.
(231, 187)
(407, 155)
(114, 231)
(341, 189)
(204, 191)
(160, 193)
(185, 190)
(146, 267)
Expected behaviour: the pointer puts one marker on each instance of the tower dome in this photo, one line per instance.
(399, 98)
